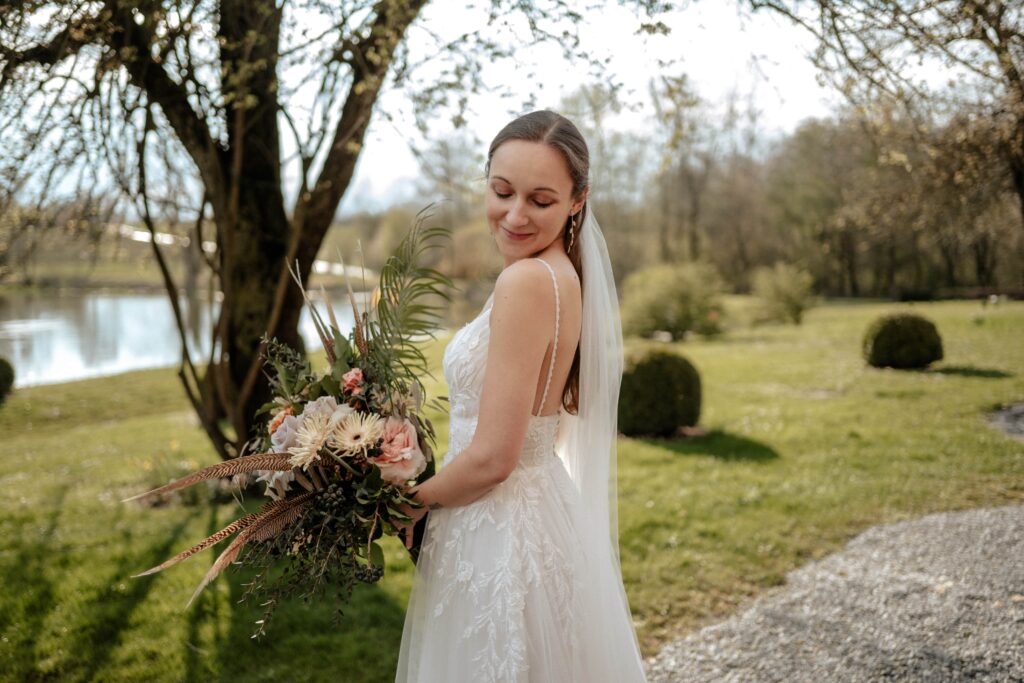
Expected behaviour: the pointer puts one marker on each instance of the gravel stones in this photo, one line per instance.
(940, 598)
(1010, 420)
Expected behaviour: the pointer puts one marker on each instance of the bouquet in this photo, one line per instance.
(339, 448)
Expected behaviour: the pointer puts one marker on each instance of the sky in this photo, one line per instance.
(720, 49)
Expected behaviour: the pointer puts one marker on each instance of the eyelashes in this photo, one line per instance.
(509, 194)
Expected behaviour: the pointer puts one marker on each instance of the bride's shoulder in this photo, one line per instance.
(526, 276)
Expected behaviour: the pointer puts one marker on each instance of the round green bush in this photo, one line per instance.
(660, 393)
(784, 292)
(902, 340)
(6, 379)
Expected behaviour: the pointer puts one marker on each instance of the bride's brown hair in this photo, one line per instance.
(560, 134)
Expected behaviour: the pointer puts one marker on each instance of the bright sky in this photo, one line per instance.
(717, 49)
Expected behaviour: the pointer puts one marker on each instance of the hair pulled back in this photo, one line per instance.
(559, 133)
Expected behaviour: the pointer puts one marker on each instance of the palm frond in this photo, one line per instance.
(402, 312)
(277, 462)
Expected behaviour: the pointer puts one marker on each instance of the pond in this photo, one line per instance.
(54, 337)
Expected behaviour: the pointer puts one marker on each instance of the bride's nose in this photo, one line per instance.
(516, 216)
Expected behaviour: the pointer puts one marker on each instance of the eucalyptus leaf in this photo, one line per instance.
(376, 555)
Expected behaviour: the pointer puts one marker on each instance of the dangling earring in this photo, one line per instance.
(572, 232)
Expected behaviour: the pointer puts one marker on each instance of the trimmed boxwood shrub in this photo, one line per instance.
(902, 340)
(6, 379)
(660, 393)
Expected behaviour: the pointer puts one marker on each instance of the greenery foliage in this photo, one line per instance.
(784, 292)
(660, 392)
(902, 340)
(6, 379)
(674, 298)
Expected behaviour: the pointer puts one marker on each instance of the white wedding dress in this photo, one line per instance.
(497, 593)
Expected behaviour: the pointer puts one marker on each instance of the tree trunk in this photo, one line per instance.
(950, 253)
(984, 259)
(849, 259)
(1016, 159)
(251, 221)
(664, 229)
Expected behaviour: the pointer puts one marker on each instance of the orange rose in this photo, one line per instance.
(401, 459)
(279, 418)
(353, 380)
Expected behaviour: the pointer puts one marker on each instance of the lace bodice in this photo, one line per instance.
(465, 359)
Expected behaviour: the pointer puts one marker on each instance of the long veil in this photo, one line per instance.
(587, 445)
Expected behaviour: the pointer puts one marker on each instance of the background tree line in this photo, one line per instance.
(867, 201)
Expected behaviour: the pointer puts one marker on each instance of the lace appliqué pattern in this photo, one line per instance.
(504, 562)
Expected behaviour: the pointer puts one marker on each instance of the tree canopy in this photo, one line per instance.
(184, 104)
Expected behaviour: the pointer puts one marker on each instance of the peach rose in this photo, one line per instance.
(353, 380)
(402, 458)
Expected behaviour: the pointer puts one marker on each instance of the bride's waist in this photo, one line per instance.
(530, 457)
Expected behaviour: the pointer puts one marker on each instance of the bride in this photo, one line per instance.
(518, 576)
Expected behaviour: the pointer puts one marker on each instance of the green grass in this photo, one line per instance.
(807, 447)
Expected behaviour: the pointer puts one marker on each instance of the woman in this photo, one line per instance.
(518, 576)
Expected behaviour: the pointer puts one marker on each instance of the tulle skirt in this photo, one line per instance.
(506, 590)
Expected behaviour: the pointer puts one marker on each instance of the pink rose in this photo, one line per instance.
(353, 380)
(402, 458)
(283, 437)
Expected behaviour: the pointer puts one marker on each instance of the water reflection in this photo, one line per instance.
(61, 337)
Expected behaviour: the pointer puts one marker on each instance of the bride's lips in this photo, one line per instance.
(514, 236)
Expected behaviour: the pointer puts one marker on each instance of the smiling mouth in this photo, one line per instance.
(516, 235)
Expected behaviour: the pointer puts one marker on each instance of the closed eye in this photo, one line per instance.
(509, 194)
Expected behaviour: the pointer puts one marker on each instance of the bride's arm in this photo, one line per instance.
(522, 321)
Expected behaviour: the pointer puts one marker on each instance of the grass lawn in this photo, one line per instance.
(807, 447)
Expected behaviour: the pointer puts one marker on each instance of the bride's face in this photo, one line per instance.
(529, 198)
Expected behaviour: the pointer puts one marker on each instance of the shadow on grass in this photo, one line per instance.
(971, 371)
(205, 608)
(718, 444)
(303, 642)
(111, 608)
(25, 577)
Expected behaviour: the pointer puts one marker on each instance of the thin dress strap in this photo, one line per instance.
(554, 348)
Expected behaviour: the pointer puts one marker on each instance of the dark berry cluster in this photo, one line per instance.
(332, 500)
(369, 573)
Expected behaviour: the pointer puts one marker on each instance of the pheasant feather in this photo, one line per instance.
(277, 462)
(271, 519)
(213, 539)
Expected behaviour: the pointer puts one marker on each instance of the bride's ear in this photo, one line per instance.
(580, 201)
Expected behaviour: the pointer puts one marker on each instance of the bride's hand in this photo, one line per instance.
(405, 529)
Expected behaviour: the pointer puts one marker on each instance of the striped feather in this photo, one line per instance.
(273, 516)
(277, 462)
(203, 545)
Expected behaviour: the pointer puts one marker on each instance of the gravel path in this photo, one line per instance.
(935, 599)
(1010, 420)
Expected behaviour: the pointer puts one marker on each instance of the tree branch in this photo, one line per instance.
(67, 42)
(172, 97)
(212, 429)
